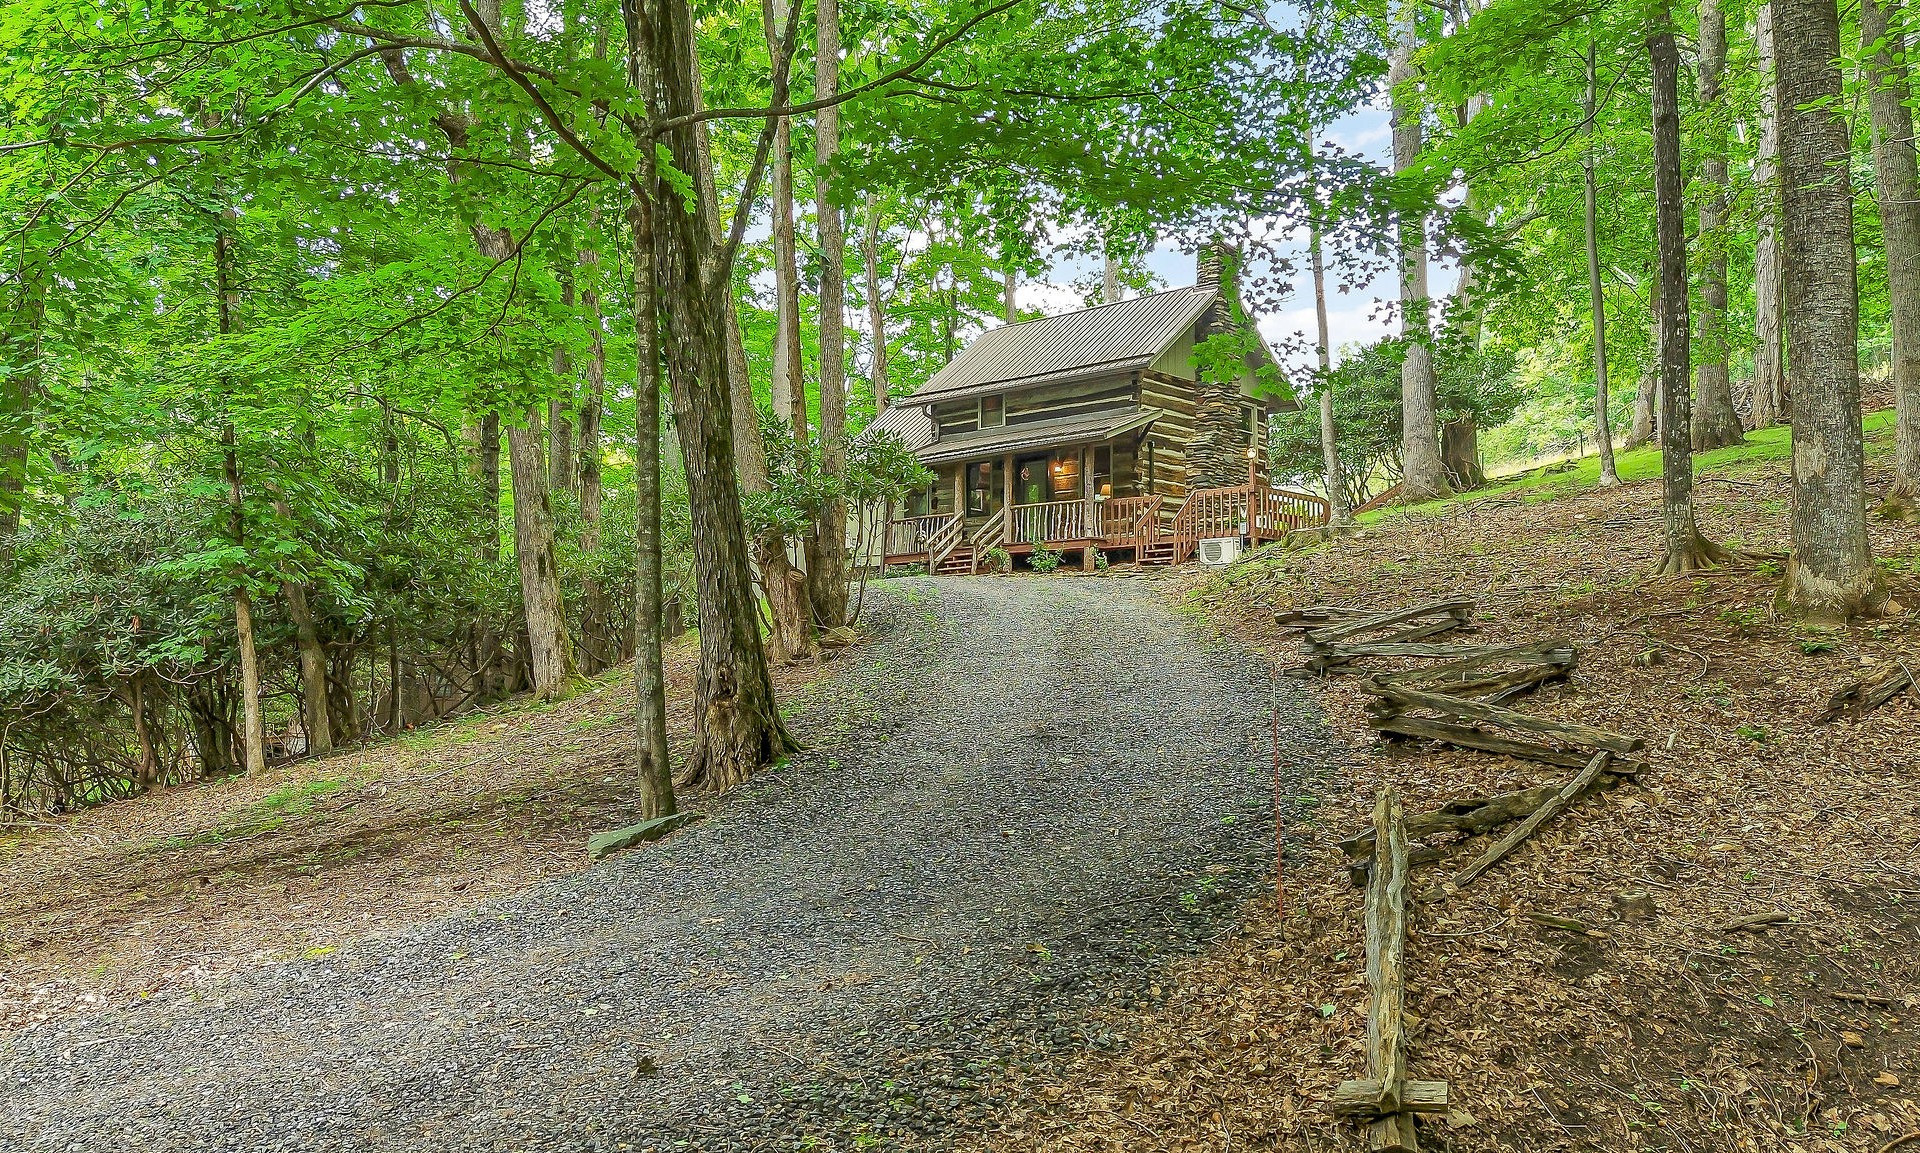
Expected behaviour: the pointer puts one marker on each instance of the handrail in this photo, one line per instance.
(987, 536)
(1059, 520)
(941, 544)
(1131, 521)
(908, 535)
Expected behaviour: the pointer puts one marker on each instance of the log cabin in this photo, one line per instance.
(1095, 432)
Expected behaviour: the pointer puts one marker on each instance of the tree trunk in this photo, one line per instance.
(227, 298)
(486, 463)
(1646, 398)
(1338, 510)
(1423, 473)
(785, 586)
(1109, 279)
(1769, 280)
(1831, 576)
(876, 305)
(560, 462)
(1715, 422)
(20, 373)
(652, 758)
(1684, 549)
(1596, 289)
(549, 652)
(1898, 186)
(315, 716)
(737, 725)
(1460, 452)
(827, 546)
(598, 632)
(789, 375)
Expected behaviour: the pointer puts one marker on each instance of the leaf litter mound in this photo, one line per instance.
(1636, 1019)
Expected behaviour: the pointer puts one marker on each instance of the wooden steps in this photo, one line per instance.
(960, 560)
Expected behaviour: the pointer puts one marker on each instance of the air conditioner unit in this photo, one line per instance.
(1219, 551)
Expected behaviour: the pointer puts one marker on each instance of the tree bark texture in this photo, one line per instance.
(1769, 282)
(827, 547)
(1715, 422)
(1898, 187)
(737, 725)
(1831, 575)
(1423, 473)
(549, 650)
(653, 766)
(1684, 549)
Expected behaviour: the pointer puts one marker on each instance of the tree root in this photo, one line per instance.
(1697, 554)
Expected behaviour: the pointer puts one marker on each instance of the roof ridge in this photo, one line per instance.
(1098, 307)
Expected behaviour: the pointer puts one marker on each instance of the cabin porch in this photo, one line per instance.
(1146, 529)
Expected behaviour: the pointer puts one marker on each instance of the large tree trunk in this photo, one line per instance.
(1831, 576)
(738, 725)
(1596, 289)
(549, 652)
(827, 546)
(1109, 279)
(1684, 549)
(1769, 280)
(1899, 196)
(1715, 422)
(876, 305)
(1423, 472)
(1338, 510)
(785, 586)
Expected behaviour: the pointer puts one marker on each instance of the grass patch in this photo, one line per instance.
(1643, 463)
(262, 816)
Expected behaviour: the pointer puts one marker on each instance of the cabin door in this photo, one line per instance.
(1031, 481)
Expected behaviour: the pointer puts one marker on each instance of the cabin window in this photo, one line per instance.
(993, 413)
(985, 483)
(1103, 471)
(1066, 476)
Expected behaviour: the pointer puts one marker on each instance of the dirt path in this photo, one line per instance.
(1024, 795)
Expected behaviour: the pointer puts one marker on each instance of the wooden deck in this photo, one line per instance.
(1140, 525)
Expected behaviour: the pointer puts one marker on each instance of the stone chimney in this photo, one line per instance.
(1217, 452)
(1208, 265)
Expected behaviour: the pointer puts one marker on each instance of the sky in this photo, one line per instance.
(1353, 318)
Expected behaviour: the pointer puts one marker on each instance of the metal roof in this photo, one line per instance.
(913, 425)
(1113, 338)
(1041, 434)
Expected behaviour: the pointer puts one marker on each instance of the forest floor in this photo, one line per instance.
(1661, 1032)
(1021, 800)
(189, 884)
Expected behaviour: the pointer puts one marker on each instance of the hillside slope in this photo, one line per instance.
(1661, 1032)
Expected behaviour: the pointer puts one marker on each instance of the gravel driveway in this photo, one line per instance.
(1020, 799)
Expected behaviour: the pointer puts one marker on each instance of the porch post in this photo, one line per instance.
(960, 489)
(1006, 500)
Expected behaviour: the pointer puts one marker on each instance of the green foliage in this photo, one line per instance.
(1043, 559)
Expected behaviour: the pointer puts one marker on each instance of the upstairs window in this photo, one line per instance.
(993, 413)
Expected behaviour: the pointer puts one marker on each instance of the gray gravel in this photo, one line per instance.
(1021, 799)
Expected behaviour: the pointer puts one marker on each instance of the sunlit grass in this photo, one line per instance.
(1643, 463)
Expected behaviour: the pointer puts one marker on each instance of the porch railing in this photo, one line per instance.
(909, 536)
(989, 535)
(944, 540)
(1130, 521)
(1281, 510)
(1060, 520)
